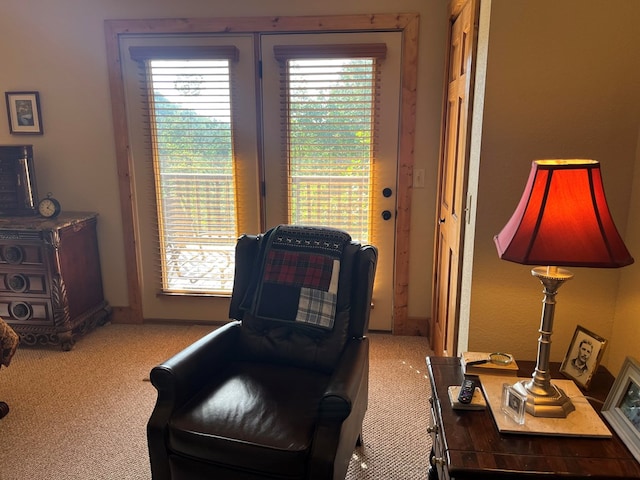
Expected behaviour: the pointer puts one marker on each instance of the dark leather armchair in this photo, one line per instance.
(273, 394)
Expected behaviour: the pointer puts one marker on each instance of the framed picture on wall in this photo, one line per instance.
(583, 356)
(622, 407)
(23, 109)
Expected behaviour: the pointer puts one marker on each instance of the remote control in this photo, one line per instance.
(466, 389)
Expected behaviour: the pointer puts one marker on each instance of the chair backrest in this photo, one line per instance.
(301, 305)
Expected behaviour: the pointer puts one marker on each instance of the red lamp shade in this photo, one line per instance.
(563, 219)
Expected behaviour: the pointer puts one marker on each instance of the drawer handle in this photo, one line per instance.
(20, 310)
(437, 461)
(13, 254)
(17, 282)
(433, 429)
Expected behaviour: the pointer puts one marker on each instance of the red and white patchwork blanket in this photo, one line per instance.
(297, 279)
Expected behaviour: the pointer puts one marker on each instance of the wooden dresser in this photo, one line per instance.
(50, 277)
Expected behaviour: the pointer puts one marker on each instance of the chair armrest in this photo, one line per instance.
(178, 378)
(347, 381)
(341, 412)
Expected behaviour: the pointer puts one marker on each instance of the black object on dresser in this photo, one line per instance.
(18, 194)
(50, 277)
(467, 444)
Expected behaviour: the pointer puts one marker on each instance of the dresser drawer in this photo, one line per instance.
(33, 311)
(25, 254)
(32, 283)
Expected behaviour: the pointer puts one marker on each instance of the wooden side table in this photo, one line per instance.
(467, 444)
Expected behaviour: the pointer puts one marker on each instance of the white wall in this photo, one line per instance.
(58, 48)
(562, 82)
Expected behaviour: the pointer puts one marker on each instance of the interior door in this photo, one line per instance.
(452, 176)
(382, 190)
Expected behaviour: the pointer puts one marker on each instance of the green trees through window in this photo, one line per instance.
(328, 127)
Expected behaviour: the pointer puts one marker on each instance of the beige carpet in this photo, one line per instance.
(82, 414)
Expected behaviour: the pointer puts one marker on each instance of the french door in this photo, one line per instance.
(230, 136)
(379, 184)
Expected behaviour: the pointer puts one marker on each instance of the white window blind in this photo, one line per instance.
(330, 105)
(188, 95)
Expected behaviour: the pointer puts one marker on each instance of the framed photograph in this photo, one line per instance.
(23, 109)
(513, 403)
(583, 356)
(622, 407)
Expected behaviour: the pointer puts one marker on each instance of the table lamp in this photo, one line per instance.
(562, 220)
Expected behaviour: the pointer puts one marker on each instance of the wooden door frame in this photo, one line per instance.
(407, 23)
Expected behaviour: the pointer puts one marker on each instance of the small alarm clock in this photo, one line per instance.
(49, 207)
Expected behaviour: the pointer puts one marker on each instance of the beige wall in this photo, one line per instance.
(562, 82)
(625, 337)
(58, 49)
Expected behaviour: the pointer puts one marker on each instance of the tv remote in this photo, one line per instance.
(466, 389)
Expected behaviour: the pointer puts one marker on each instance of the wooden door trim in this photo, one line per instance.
(407, 23)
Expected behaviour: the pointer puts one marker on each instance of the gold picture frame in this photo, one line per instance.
(23, 109)
(583, 356)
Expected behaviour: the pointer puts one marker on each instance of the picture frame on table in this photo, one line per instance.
(622, 406)
(23, 109)
(513, 403)
(583, 356)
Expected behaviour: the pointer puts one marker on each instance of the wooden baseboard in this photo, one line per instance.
(122, 315)
(414, 326)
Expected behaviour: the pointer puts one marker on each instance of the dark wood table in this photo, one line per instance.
(467, 444)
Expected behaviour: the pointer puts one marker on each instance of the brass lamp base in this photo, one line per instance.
(551, 403)
(543, 398)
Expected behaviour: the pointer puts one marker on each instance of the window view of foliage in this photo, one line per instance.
(194, 152)
(330, 106)
(330, 123)
(193, 159)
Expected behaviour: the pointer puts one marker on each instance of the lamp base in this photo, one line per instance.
(550, 403)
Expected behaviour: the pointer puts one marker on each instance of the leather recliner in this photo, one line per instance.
(264, 397)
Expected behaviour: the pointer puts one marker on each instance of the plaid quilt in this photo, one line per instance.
(298, 277)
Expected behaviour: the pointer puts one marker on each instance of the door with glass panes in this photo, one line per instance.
(216, 155)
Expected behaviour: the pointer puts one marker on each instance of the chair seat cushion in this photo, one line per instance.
(256, 417)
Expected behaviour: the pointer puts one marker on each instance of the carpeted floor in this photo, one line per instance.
(82, 414)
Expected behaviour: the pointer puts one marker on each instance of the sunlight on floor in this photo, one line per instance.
(363, 464)
(415, 369)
